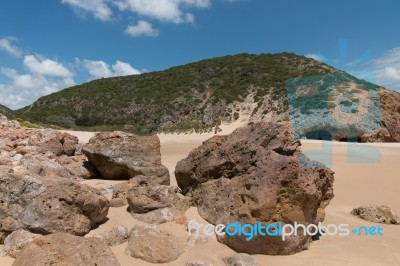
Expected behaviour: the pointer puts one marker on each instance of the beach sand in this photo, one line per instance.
(355, 184)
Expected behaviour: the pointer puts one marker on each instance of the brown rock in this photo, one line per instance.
(16, 241)
(240, 260)
(48, 205)
(115, 236)
(150, 244)
(119, 155)
(157, 204)
(66, 250)
(376, 214)
(256, 174)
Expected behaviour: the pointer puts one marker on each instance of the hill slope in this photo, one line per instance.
(6, 111)
(194, 96)
(202, 95)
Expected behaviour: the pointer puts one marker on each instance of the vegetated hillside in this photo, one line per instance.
(197, 96)
(6, 111)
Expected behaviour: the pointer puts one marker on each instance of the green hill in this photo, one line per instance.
(6, 111)
(196, 96)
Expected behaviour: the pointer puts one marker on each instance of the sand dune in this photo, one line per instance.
(355, 184)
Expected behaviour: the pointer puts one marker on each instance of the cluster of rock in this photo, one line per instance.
(41, 194)
(119, 155)
(256, 174)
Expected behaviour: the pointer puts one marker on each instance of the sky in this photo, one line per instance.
(49, 45)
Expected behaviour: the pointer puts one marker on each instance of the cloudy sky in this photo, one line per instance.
(54, 44)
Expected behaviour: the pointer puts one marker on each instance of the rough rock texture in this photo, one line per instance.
(157, 203)
(256, 174)
(198, 263)
(66, 250)
(48, 205)
(113, 237)
(390, 114)
(151, 244)
(240, 260)
(119, 155)
(376, 214)
(41, 152)
(120, 191)
(16, 241)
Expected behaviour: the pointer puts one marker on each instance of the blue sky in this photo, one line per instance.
(47, 46)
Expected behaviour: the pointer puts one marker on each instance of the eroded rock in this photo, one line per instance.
(256, 174)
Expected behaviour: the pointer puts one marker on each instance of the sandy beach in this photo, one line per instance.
(355, 184)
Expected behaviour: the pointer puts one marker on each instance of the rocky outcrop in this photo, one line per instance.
(240, 260)
(48, 205)
(256, 174)
(119, 155)
(157, 203)
(377, 214)
(41, 152)
(65, 249)
(112, 237)
(390, 117)
(151, 244)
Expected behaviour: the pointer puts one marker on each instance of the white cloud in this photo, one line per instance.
(23, 89)
(317, 56)
(388, 68)
(7, 46)
(97, 69)
(383, 70)
(99, 8)
(46, 67)
(142, 28)
(100, 69)
(124, 69)
(164, 10)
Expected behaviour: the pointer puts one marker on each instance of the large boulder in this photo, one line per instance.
(66, 250)
(119, 155)
(257, 174)
(151, 244)
(376, 214)
(48, 205)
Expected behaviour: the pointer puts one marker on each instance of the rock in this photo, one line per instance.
(16, 241)
(198, 263)
(256, 174)
(65, 249)
(83, 169)
(197, 237)
(69, 143)
(119, 155)
(120, 191)
(3, 236)
(149, 243)
(240, 260)
(48, 205)
(376, 214)
(157, 204)
(113, 237)
(54, 141)
(148, 198)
